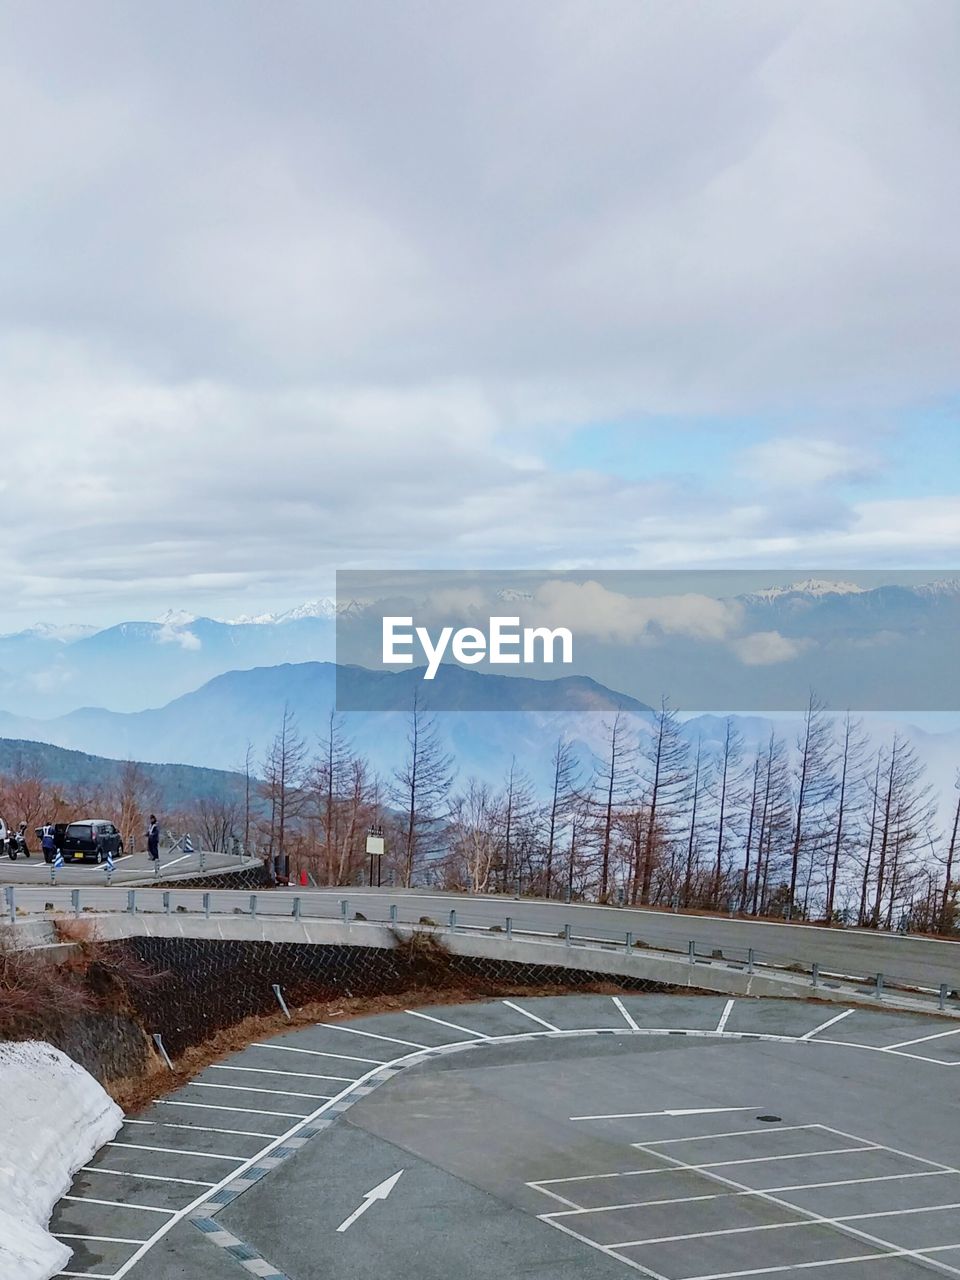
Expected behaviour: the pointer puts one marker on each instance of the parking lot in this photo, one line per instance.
(679, 1137)
(131, 868)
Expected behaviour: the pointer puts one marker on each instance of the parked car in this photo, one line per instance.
(91, 840)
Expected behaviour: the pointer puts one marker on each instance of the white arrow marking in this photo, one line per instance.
(686, 1111)
(379, 1192)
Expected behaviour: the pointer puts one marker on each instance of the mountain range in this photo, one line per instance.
(874, 647)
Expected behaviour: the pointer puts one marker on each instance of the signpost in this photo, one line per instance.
(375, 851)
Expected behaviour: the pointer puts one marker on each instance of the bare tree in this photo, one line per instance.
(814, 784)
(563, 792)
(905, 812)
(476, 837)
(610, 783)
(283, 776)
(849, 799)
(730, 796)
(945, 922)
(420, 787)
(666, 756)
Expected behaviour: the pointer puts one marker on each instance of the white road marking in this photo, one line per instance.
(442, 1022)
(212, 1106)
(202, 1128)
(605, 1249)
(178, 1151)
(719, 1195)
(316, 1053)
(532, 1016)
(62, 1235)
(681, 1111)
(250, 1088)
(830, 1022)
(119, 1204)
(844, 1227)
(709, 1235)
(725, 1164)
(271, 1071)
(174, 861)
(379, 1192)
(727, 1010)
(373, 1035)
(939, 1035)
(732, 1133)
(627, 1016)
(88, 1275)
(144, 1177)
(894, 1252)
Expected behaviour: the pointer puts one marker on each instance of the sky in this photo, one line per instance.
(287, 289)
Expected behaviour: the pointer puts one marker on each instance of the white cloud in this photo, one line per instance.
(767, 648)
(590, 609)
(804, 464)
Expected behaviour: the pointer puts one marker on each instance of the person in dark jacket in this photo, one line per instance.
(153, 838)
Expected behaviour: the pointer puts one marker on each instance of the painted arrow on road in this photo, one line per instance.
(379, 1192)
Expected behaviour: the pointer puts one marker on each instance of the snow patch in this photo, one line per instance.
(55, 1117)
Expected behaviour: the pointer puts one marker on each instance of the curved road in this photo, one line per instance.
(903, 960)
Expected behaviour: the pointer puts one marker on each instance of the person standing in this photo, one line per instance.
(153, 839)
(48, 842)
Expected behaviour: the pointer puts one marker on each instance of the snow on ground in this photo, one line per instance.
(55, 1116)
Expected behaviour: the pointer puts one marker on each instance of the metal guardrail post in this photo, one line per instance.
(749, 959)
(206, 905)
(814, 974)
(453, 922)
(253, 905)
(166, 901)
(131, 900)
(692, 952)
(566, 935)
(156, 869)
(344, 909)
(878, 989)
(393, 913)
(297, 907)
(942, 1001)
(566, 894)
(203, 859)
(510, 927)
(629, 942)
(75, 901)
(11, 903)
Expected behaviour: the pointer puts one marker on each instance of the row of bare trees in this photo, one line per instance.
(826, 823)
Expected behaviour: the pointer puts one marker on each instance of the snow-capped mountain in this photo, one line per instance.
(814, 588)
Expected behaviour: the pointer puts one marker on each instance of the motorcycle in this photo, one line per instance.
(17, 843)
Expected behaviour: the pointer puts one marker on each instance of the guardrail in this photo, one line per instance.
(21, 903)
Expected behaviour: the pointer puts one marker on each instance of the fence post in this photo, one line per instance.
(11, 903)
(253, 905)
(510, 927)
(566, 935)
(815, 974)
(344, 909)
(878, 990)
(453, 922)
(156, 869)
(75, 901)
(158, 1041)
(131, 900)
(749, 959)
(942, 1002)
(692, 952)
(393, 913)
(629, 942)
(166, 901)
(206, 905)
(296, 907)
(203, 859)
(566, 894)
(280, 1000)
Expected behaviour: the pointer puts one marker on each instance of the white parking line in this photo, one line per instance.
(725, 1164)
(88, 1275)
(939, 1035)
(119, 1204)
(178, 1151)
(202, 1128)
(316, 1053)
(730, 1133)
(355, 1031)
(442, 1022)
(250, 1088)
(271, 1071)
(605, 1249)
(62, 1235)
(709, 1235)
(845, 1228)
(627, 1016)
(532, 1016)
(727, 1010)
(830, 1022)
(144, 1177)
(212, 1106)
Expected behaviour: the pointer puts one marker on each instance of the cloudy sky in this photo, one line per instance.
(287, 288)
